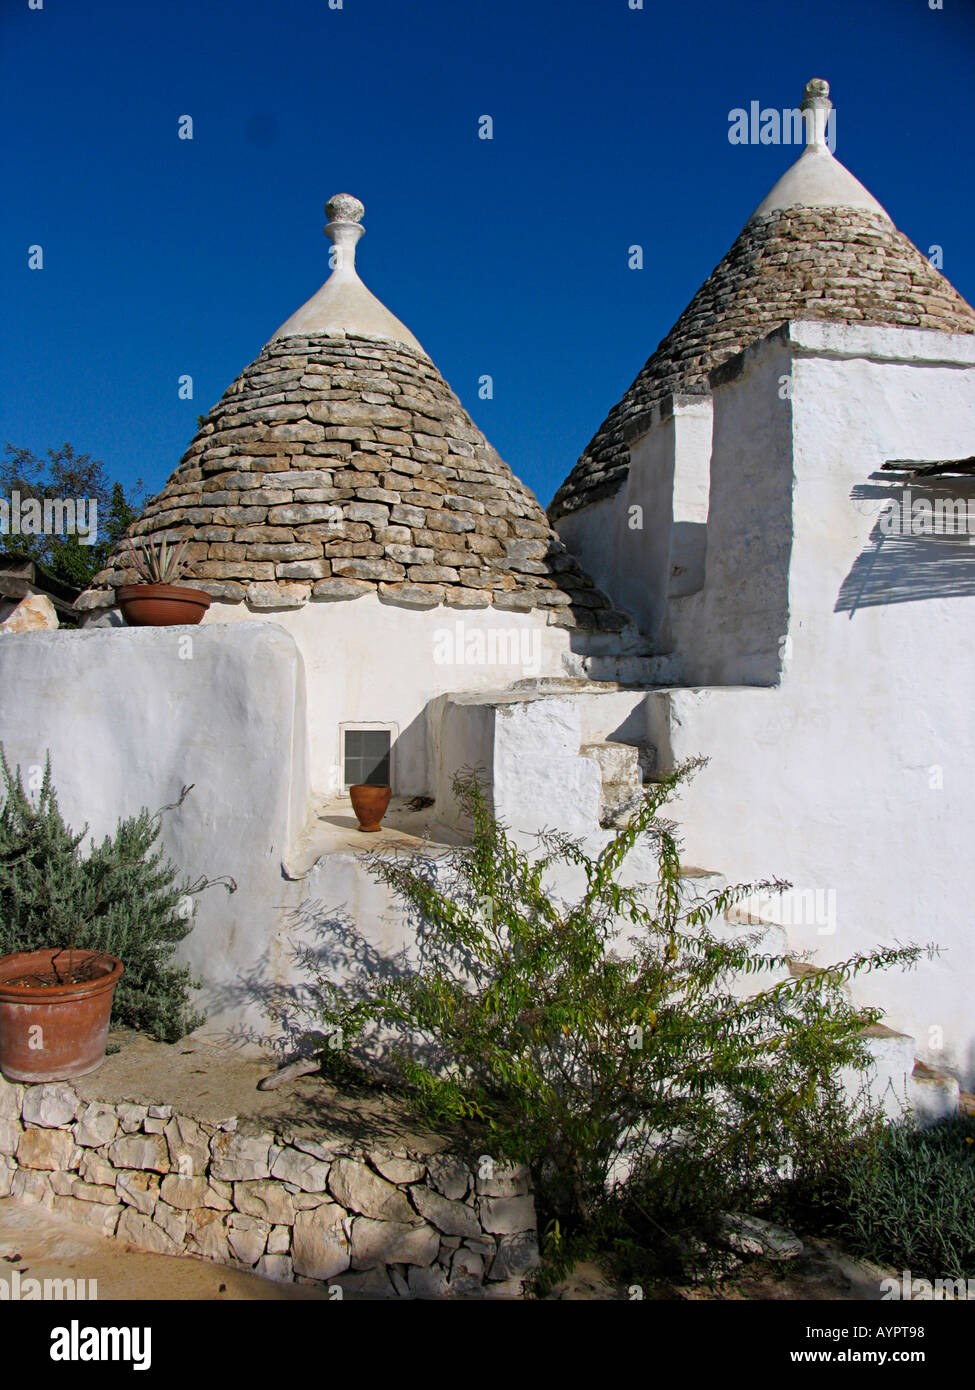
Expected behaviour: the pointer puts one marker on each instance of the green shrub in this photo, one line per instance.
(122, 897)
(529, 1016)
(905, 1198)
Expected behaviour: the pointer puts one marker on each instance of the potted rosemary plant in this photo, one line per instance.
(158, 600)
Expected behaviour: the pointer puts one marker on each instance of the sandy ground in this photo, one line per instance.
(43, 1246)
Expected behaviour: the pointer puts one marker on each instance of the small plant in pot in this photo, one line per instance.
(158, 600)
(68, 920)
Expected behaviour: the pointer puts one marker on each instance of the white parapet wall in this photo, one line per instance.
(129, 716)
(368, 662)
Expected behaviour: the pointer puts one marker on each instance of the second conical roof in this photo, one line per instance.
(820, 247)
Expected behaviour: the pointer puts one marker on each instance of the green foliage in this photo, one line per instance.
(121, 897)
(65, 474)
(601, 1037)
(904, 1198)
(159, 562)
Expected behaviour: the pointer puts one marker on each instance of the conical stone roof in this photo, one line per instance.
(340, 463)
(818, 247)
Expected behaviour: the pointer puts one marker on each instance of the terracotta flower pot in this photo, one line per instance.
(161, 605)
(51, 1031)
(369, 804)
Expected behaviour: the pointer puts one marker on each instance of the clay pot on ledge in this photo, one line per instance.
(369, 803)
(54, 1011)
(161, 605)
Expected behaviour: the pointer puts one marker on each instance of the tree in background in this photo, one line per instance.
(64, 474)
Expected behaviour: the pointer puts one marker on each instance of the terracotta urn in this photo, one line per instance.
(54, 1011)
(369, 804)
(161, 605)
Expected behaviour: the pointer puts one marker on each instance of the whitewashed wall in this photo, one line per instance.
(854, 774)
(368, 661)
(646, 542)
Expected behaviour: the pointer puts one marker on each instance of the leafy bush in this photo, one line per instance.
(66, 474)
(120, 897)
(905, 1198)
(591, 1054)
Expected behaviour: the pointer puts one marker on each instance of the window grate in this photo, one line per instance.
(366, 756)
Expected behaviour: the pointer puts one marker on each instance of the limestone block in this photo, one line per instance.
(94, 1192)
(397, 1170)
(52, 1105)
(185, 1194)
(449, 1175)
(239, 1157)
(206, 1234)
(428, 1281)
(466, 1264)
(139, 1189)
(452, 1218)
(104, 1219)
(507, 1215)
(189, 1146)
(48, 1149)
(11, 1099)
(93, 1168)
(503, 1180)
(31, 1186)
(247, 1237)
(147, 1151)
(276, 1267)
(339, 589)
(303, 1170)
(131, 1116)
(97, 1125)
(517, 1256)
(35, 613)
(171, 1221)
(10, 1132)
(279, 1241)
(320, 1247)
(363, 1191)
(268, 1200)
(392, 1242)
(371, 1283)
(144, 1234)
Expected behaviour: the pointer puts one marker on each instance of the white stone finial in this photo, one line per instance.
(816, 107)
(344, 229)
(343, 304)
(344, 208)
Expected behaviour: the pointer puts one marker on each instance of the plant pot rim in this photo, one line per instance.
(20, 962)
(170, 591)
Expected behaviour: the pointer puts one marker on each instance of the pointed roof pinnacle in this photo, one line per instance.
(816, 107)
(343, 304)
(817, 178)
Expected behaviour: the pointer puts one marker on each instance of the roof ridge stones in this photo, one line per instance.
(340, 465)
(844, 264)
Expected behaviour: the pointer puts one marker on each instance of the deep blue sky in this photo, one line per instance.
(509, 257)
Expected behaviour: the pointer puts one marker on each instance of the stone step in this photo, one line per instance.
(621, 767)
(638, 671)
(934, 1093)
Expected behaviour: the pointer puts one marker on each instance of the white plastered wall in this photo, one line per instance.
(853, 775)
(369, 662)
(645, 544)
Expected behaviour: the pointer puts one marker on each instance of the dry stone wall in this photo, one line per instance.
(374, 1222)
